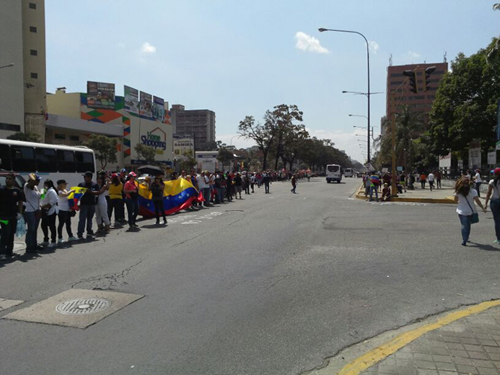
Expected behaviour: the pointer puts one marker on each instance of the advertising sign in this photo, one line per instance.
(475, 154)
(158, 109)
(131, 99)
(155, 138)
(445, 161)
(146, 106)
(492, 157)
(207, 160)
(183, 144)
(100, 95)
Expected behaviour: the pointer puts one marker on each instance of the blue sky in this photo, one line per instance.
(241, 58)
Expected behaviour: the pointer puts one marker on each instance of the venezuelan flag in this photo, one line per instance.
(75, 197)
(177, 195)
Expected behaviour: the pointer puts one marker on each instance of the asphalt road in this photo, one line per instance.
(271, 284)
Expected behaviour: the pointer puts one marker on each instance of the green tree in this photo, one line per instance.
(145, 153)
(225, 156)
(26, 137)
(262, 134)
(466, 102)
(104, 148)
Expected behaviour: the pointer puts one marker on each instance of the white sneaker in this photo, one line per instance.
(61, 241)
(52, 244)
(73, 239)
(44, 243)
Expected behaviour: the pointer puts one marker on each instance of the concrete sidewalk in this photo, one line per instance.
(470, 345)
(443, 195)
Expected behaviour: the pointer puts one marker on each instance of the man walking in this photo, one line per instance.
(430, 178)
(11, 207)
(267, 181)
(87, 205)
(294, 184)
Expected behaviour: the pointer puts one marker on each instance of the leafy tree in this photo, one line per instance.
(145, 153)
(26, 137)
(466, 102)
(225, 156)
(262, 134)
(104, 148)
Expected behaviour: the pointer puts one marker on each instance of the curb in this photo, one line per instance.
(360, 357)
(448, 200)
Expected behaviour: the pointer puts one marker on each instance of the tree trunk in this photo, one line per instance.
(264, 162)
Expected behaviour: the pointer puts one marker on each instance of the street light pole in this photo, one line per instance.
(368, 73)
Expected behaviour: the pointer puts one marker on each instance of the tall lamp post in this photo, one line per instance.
(321, 30)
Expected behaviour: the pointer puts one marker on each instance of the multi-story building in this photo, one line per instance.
(23, 73)
(417, 102)
(199, 122)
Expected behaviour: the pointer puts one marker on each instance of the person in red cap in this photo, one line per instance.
(132, 200)
(494, 194)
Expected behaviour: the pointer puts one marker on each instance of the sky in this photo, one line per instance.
(241, 58)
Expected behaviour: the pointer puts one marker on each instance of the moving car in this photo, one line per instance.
(348, 172)
(333, 173)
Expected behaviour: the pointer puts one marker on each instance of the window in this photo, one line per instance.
(14, 128)
(60, 136)
(66, 161)
(33, 52)
(23, 159)
(32, 6)
(46, 159)
(34, 75)
(333, 168)
(84, 161)
(74, 138)
(5, 157)
(32, 29)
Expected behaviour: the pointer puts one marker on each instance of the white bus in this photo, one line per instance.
(55, 162)
(333, 173)
(348, 172)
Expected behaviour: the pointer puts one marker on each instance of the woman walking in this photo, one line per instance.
(157, 187)
(465, 196)
(49, 208)
(494, 194)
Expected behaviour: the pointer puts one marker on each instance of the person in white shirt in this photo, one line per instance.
(32, 212)
(478, 181)
(101, 208)
(49, 214)
(430, 178)
(494, 194)
(64, 214)
(465, 196)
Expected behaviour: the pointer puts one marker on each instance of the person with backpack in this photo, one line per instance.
(494, 194)
(374, 184)
(465, 197)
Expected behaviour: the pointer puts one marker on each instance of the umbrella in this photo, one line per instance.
(150, 170)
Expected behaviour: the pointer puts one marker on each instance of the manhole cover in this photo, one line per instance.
(83, 306)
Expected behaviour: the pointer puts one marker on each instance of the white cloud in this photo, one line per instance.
(148, 48)
(309, 43)
(413, 55)
(238, 142)
(373, 45)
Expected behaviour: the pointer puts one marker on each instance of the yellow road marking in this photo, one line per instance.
(378, 354)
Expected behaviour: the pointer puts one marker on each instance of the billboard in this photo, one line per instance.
(146, 106)
(100, 95)
(131, 99)
(182, 144)
(158, 109)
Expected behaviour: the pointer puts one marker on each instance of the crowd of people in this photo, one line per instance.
(106, 198)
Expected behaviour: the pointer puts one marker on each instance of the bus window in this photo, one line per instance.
(23, 159)
(84, 162)
(46, 160)
(66, 161)
(5, 157)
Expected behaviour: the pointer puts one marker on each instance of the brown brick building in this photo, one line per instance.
(420, 101)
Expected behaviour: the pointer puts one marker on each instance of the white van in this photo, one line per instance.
(348, 172)
(333, 173)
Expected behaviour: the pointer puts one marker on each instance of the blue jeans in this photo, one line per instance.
(32, 223)
(132, 210)
(206, 195)
(373, 189)
(466, 222)
(219, 197)
(86, 215)
(495, 210)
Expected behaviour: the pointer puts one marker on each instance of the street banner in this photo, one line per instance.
(131, 99)
(369, 167)
(100, 95)
(158, 109)
(146, 106)
(492, 157)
